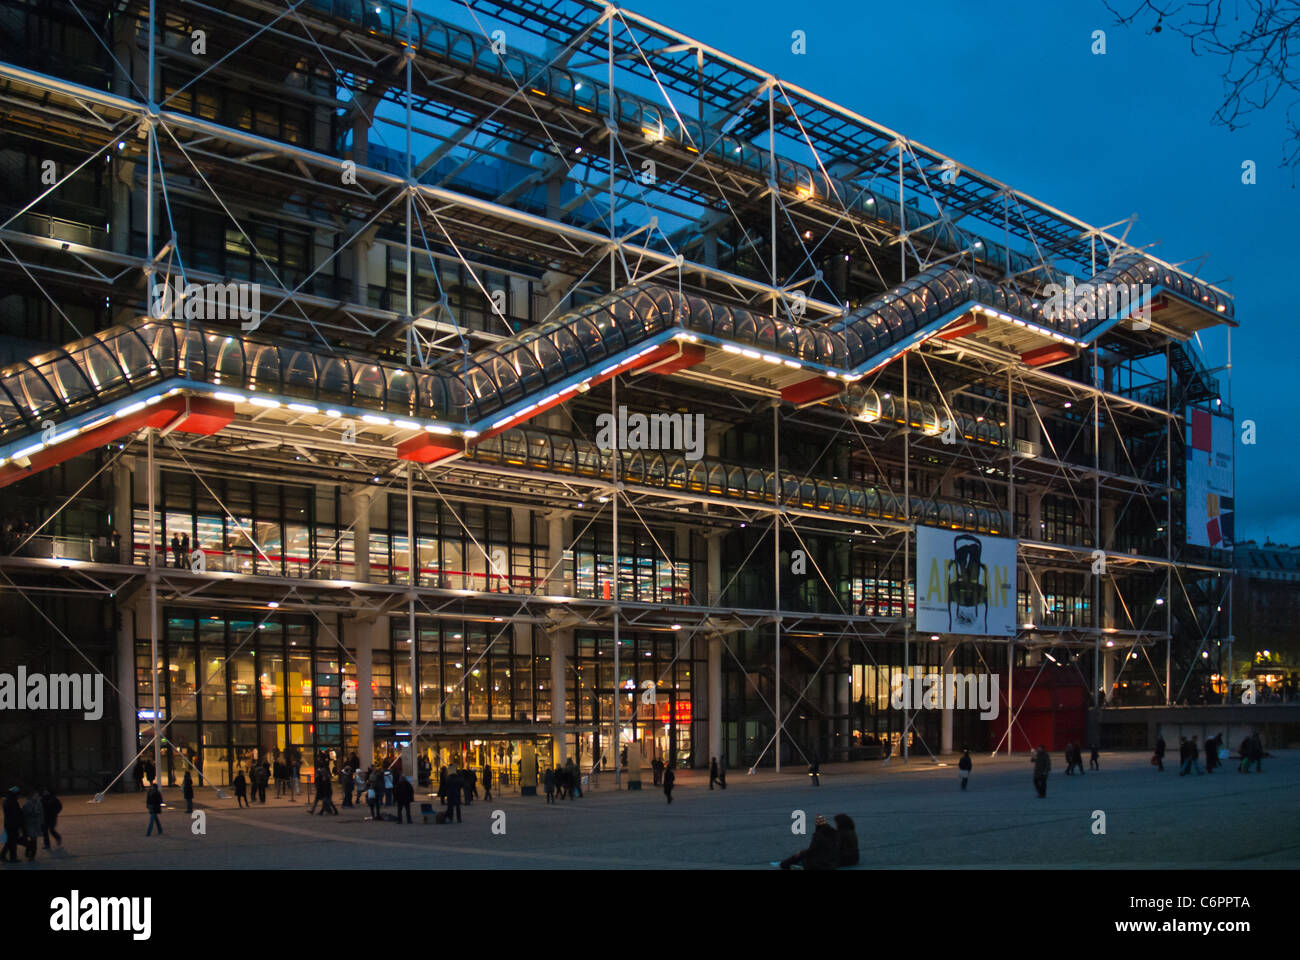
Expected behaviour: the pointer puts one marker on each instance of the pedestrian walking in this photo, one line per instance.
(187, 791)
(153, 800)
(1042, 767)
(722, 772)
(138, 775)
(1192, 760)
(487, 781)
(657, 768)
(325, 791)
(548, 782)
(1095, 760)
(13, 825)
(262, 772)
(388, 787)
(573, 775)
(241, 788)
(53, 807)
(345, 782)
(176, 550)
(964, 766)
(713, 771)
(404, 793)
(33, 823)
(454, 790)
(1159, 758)
(1211, 754)
(669, 779)
(376, 793)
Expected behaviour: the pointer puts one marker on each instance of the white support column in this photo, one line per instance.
(714, 554)
(123, 471)
(360, 499)
(560, 641)
(843, 694)
(126, 705)
(363, 639)
(945, 732)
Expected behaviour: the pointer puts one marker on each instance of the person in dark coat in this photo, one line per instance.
(1211, 754)
(187, 791)
(822, 852)
(33, 823)
(467, 785)
(154, 801)
(1160, 754)
(281, 770)
(345, 781)
(846, 838)
(442, 781)
(669, 778)
(241, 788)
(138, 775)
(573, 777)
(657, 768)
(53, 807)
(964, 766)
(404, 793)
(377, 789)
(548, 783)
(1095, 760)
(713, 771)
(722, 772)
(454, 789)
(325, 791)
(1042, 767)
(14, 824)
(176, 550)
(487, 781)
(1069, 759)
(262, 774)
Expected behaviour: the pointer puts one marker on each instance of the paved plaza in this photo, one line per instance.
(908, 816)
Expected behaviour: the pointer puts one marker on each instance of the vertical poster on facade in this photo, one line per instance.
(965, 583)
(1209, 479)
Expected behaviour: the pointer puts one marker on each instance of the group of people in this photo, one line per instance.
(1189, 754)
(566, 779)
(180, 550)
(1074, 758)
(456, 786)
(25, 823)
(830, 847)
(259, 775)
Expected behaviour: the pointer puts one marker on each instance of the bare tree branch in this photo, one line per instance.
(1254, 37)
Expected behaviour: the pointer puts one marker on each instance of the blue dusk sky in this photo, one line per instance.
(1013, 90)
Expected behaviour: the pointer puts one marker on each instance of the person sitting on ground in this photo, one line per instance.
(846, 836)
(822, 852)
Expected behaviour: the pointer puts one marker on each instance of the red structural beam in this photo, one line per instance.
(1048, 354)
(201, 415)
(669, 358)
(426, 449)
(964, 326)
(809, 391)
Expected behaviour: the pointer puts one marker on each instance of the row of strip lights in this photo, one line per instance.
(71, 432)
(581, 386)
